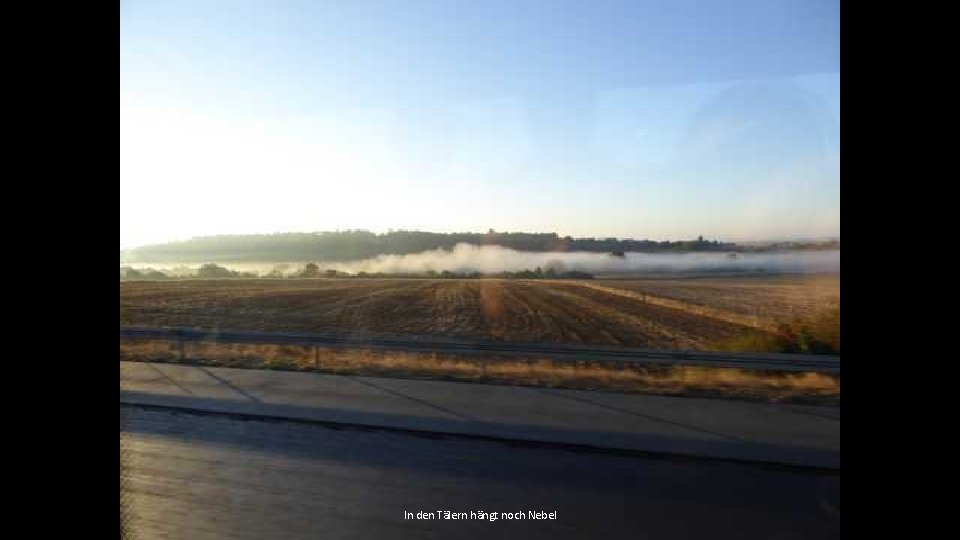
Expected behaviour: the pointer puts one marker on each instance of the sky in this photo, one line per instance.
(636, 119)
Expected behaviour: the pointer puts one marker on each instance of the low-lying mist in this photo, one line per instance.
(469, 258)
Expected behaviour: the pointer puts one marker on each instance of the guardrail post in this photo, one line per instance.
(180, 347)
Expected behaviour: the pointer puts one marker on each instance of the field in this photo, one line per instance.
(694, 314)
(765, 299)
(668, 314)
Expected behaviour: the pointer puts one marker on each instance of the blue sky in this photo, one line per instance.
(659, 120)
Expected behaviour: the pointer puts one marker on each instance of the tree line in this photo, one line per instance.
(312, 270)
(353, 245)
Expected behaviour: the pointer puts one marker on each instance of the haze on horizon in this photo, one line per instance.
(622, 119)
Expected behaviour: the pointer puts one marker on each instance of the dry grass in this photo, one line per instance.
(667, 380)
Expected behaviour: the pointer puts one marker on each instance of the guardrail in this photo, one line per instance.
(479, 348)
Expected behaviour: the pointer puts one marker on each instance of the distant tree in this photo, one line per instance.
(330, 273)
(211, 270)
(278, 271)
(556, 266)
(311, 270)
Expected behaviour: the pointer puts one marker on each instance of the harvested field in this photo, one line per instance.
(762, 299)
(598, 312)
(508, 310)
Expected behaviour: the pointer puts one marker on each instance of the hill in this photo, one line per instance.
(359, 245)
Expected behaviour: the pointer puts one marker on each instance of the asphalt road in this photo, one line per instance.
(785, 434)
(208, 476)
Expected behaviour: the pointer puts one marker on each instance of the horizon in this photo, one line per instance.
(599, 120)
(706, 238)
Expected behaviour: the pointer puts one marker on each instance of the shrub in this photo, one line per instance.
(817, 335)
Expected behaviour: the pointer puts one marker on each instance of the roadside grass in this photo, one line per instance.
(810, 388)
(817, 334)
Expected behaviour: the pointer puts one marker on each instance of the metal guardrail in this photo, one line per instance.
(560, 352)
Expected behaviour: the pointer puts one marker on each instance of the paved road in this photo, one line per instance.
(208, 476)
(480, 348)
(785, 434)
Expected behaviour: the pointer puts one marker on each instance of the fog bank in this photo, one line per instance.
(465, 258)
(469, 258)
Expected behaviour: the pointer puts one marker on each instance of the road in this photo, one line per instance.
(479, 349)
(210, 476)
(803, 436)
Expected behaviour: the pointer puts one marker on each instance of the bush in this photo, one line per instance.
(311, 270)
(817, 335)
(211, 270)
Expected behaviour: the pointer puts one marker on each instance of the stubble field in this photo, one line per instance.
(667, 314)
(663, 314)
